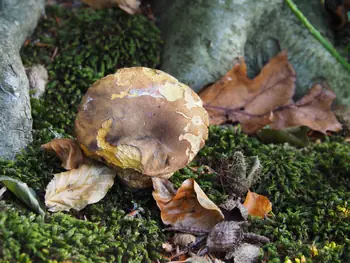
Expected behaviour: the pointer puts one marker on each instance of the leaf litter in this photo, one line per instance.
(189, 211)
(268, 99)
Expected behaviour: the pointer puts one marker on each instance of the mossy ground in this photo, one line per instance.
(309, 188)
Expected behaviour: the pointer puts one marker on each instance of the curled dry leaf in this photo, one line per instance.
(68, 151)
(188, 207)
(79, 187)
(129, 6)
(257, 205)
(267, 99)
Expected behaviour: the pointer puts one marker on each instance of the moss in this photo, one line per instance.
(89, 44)
(309, 189)
(32, 238)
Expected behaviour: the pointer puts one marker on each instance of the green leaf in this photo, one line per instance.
(24, 193)
(296, 136)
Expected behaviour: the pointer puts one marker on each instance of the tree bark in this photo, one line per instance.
(18, 18)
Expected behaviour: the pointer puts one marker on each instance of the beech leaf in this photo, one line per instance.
(26, 194)
(68, 151)
(129, 6)
(257, 205)
(313, 110)
(187, 207)
(267, 99)
(77, 188)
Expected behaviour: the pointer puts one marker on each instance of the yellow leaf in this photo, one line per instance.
(79, 187)
(188, 207)
(257, 205)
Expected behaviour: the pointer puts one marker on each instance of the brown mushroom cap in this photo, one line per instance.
(143, 119)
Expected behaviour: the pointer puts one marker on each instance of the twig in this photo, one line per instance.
(318, 35)
(54, 54)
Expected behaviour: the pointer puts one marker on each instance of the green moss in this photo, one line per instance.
(309, 189)
(89, 44)
(32, 238)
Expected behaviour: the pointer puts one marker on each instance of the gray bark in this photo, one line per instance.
(204, 37)
(18, 19)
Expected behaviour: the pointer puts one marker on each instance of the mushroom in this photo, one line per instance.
(143, 122)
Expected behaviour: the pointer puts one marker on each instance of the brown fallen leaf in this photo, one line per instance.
(257, 205)
(237, 98)
(186, 207)
(313, 111)
(129, 6)
(267, 99)
(67, 150)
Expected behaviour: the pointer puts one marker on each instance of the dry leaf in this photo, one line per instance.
(237, 98)
(257, 205)
(267, 99)
(188, 207)
(129, 6)
(68, 151)
(79, 187)
(313, 111)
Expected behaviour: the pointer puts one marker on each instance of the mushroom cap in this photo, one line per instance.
(142, 119)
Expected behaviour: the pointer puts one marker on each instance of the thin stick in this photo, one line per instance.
(318, 35)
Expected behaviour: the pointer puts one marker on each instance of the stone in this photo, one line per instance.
(203, 39)
(38, 78)
(18, 19)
